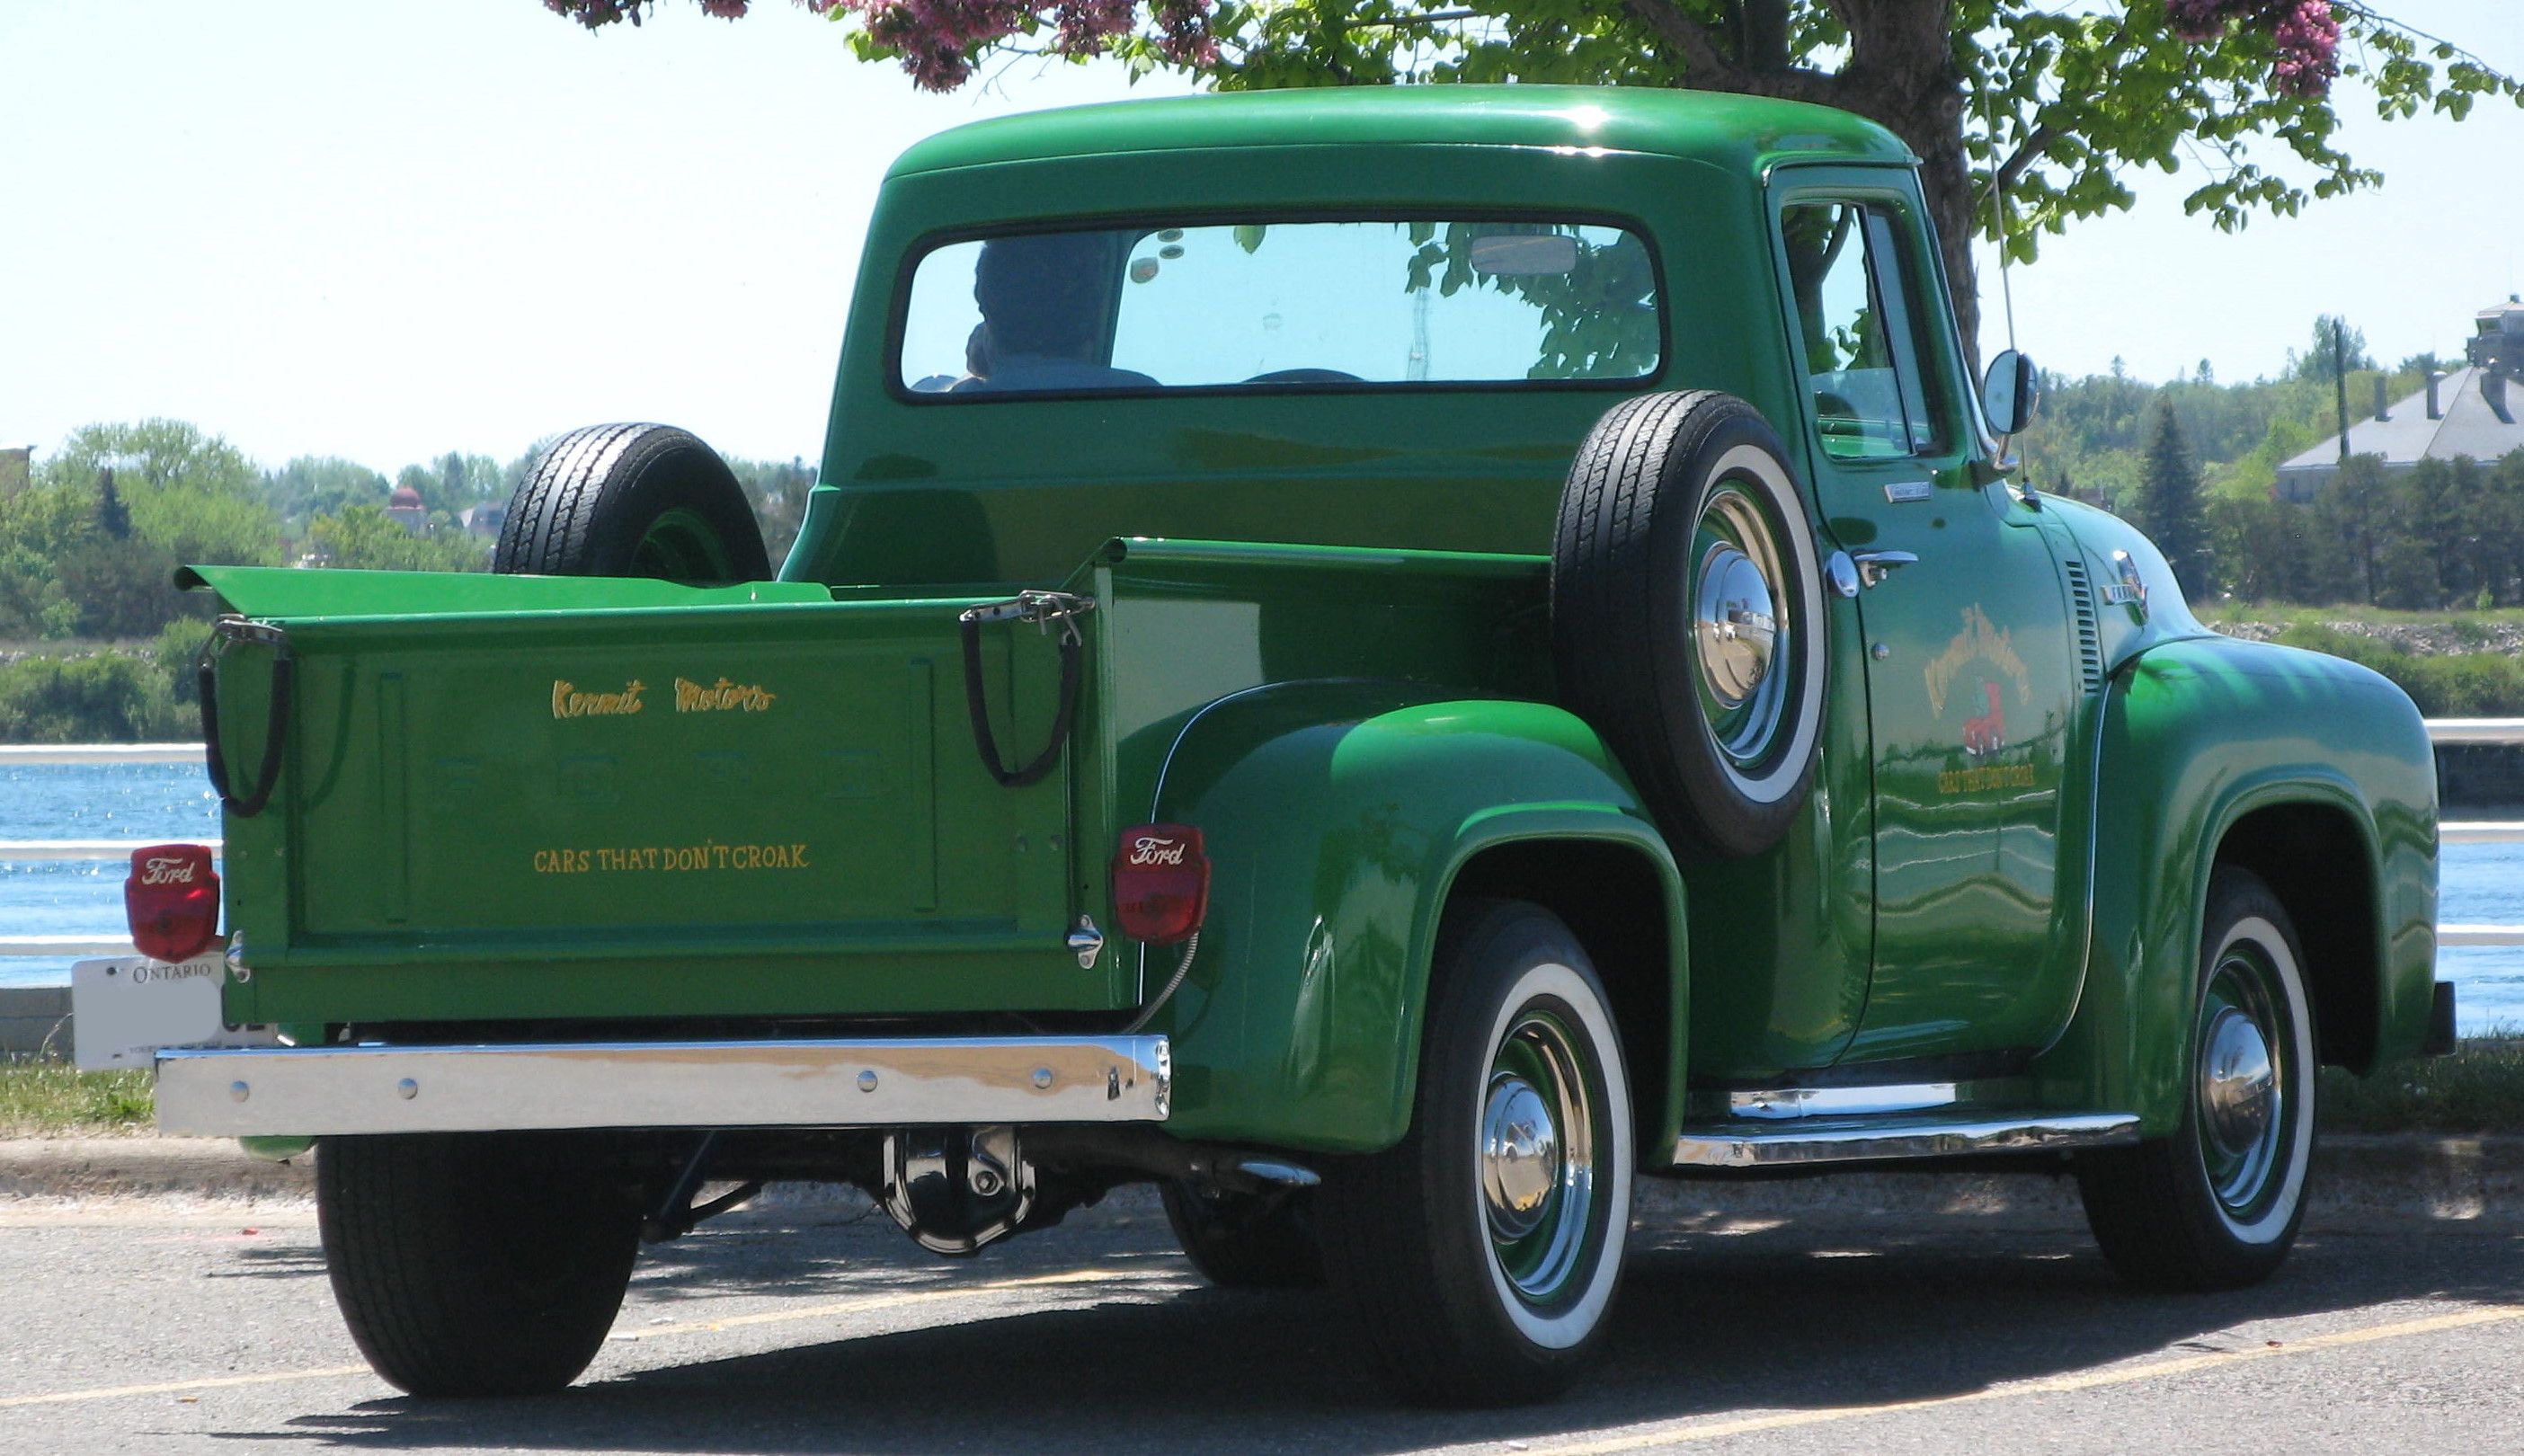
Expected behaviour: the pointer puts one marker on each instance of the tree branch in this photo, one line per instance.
(1704, 66)
(1707, 69)
(2035, 143)
(2357, 10)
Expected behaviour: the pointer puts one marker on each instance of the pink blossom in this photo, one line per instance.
(1085, 28)
(1182, 31)
(2304, 35)
(938, 40)
(2308, 36)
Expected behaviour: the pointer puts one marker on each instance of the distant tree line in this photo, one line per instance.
(90, 544)
(2194, 465)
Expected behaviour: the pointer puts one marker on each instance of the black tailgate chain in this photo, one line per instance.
(228, 629)
(1043, 609)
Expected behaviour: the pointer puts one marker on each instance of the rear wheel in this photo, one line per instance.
(1481, 1253)
(1241, 1241)
(2216, 1206)
(474, 1264)
(631, 499)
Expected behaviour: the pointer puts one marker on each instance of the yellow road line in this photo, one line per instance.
(863, 1305)
(172, 1387)
(1646, 1441)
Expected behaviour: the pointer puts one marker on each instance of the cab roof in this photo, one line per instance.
(1744, 133)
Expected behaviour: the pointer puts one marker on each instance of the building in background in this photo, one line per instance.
(2477, 411)
(405, 507)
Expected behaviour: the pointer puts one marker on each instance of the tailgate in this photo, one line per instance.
(529, 797)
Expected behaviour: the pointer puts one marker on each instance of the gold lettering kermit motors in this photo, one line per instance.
(567, 702)
(721, 696)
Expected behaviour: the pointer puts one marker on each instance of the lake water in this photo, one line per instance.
(2482, 883)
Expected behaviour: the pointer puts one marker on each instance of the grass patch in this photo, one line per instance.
(2480, 1089)
(50, 1099)
(2460, 619)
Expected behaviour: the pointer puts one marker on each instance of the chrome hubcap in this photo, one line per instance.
(1740, 639)
(1520, 1156)
(1537, 1157)
(2245, 1114)
(2238, 1089)
(1735, 626)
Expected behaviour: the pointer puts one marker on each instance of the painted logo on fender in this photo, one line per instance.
(1981, 654)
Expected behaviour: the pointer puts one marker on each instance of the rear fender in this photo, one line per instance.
(1338, 817)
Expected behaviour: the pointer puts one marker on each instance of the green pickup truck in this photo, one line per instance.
(1388, 663)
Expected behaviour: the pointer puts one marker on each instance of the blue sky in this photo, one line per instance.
(388, 231)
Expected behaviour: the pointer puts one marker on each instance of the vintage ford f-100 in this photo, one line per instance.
(1388, 661)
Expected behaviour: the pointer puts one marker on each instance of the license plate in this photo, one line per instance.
(125, 1009)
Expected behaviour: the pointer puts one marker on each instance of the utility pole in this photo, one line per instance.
(2340, 380)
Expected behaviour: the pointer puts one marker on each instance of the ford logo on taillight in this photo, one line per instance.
(172, 900)
(1160, 883)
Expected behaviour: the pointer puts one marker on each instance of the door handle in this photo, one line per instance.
(1874, 566)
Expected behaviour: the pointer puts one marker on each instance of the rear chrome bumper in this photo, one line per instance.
(320, 1090)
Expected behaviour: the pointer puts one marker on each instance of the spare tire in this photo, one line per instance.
(1687, 616)
(632, 500)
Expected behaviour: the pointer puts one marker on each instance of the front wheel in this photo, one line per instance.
(474, 1264)
(1483, 1249)
(2216, 1206)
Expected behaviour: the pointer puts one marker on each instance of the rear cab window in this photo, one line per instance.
(1337, 303)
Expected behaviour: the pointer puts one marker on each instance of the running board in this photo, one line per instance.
(1770, 1143)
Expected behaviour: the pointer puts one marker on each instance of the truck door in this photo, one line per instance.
(1971, 678)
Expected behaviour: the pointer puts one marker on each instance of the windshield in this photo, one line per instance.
(1314, 303)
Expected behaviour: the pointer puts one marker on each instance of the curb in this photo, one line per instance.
(2358, 1178)
(139, 1167)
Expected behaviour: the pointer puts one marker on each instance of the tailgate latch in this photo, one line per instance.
(1043, 610)
(231, 628)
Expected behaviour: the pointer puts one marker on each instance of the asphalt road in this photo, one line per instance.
(148, 1327)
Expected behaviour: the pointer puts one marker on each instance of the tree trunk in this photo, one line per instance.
(1901, 75)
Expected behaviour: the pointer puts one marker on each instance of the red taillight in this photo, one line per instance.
(173, 899)
(1160, 883)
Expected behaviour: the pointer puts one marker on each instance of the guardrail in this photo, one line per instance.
(2449, 732)
(2443, 732)
(17, 756)
(72, 946)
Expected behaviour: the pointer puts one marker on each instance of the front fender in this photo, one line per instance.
(2199, 734)
(1336, 815)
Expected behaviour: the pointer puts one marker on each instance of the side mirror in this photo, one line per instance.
(2008, 393)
